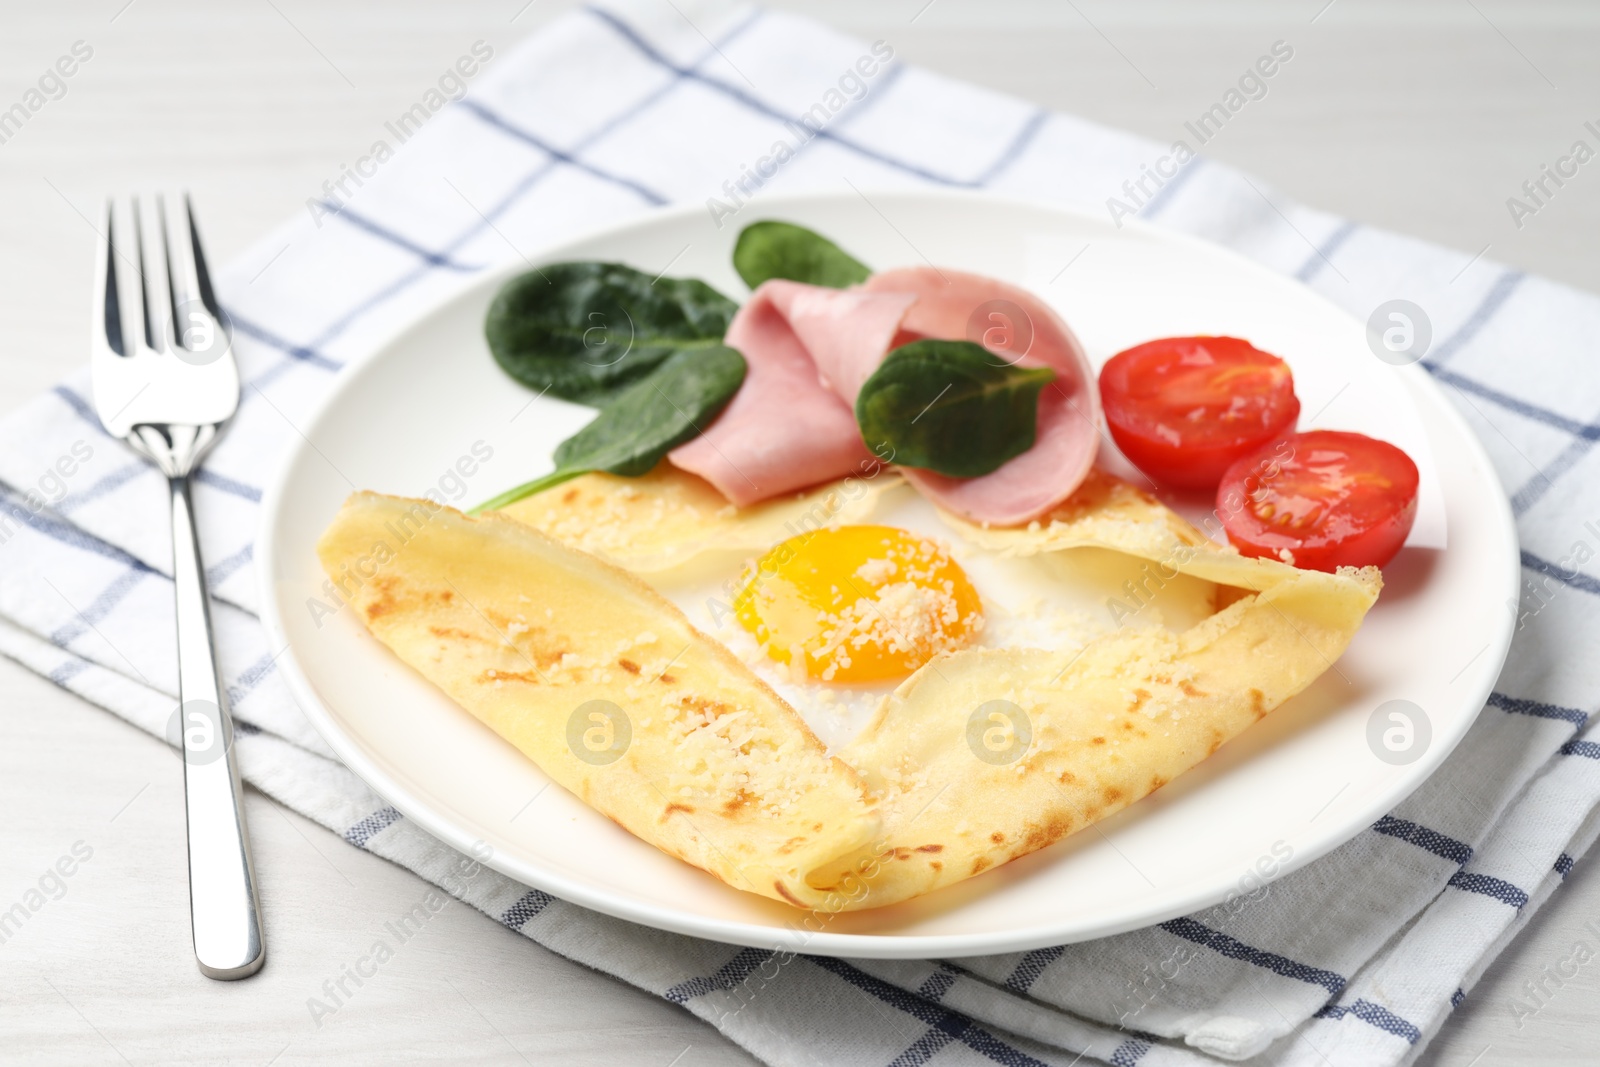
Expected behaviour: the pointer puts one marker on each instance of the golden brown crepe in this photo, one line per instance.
(981, 756)
(1108, 726)
(662, 519)
(525, 632)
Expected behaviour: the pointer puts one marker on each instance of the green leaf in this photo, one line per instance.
(952, 407)
(645, 421)
(783, 250)
(582, 331)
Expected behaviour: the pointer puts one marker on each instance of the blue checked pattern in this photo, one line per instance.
(614, 110)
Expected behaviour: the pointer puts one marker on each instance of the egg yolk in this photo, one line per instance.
(859, 603)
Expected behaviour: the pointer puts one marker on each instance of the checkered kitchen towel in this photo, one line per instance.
(1356, 959)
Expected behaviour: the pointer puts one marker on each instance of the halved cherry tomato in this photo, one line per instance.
(1321, 500)
(1183, 409)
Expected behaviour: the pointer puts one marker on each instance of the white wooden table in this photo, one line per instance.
(1423, 117)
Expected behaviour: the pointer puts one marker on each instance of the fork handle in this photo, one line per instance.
(222, 884)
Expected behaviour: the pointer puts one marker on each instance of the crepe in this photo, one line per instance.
(1105, 726)
(668, 516)
(980, 756)
(537, 639)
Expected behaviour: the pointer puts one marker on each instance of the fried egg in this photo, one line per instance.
(837, 596)
(859, 603)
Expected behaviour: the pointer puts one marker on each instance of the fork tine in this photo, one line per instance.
(208, 295)
(130, 274)
(158, 306)
(178, 240)
(108, 317)
(200, 329)
(123, 246)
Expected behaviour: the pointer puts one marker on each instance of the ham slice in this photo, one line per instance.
(809, 349)
(1021, 328)
(786, 429)
(846, 331)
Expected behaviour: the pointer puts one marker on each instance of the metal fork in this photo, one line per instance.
(165, 382)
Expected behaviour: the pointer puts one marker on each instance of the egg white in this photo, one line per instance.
(1057, 600)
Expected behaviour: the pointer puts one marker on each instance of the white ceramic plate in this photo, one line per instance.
(1287, 791)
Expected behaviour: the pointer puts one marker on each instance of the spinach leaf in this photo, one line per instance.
(952, 407)
(645, 421)
(783, 250)
(581, 331)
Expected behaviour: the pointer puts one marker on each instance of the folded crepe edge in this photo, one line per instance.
(700, 838)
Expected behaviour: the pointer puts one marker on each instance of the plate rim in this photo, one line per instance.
(737, 932)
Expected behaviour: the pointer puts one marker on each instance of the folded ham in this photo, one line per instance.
(785, 429)
(810, 349)
(1067, 437)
